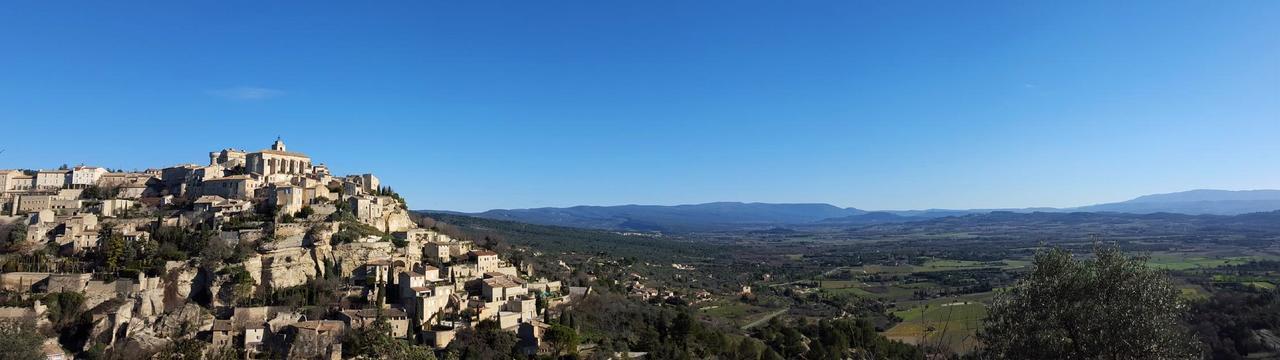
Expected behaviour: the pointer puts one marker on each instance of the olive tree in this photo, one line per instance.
(1109, 307)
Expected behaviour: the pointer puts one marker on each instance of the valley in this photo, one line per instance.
(927, 283)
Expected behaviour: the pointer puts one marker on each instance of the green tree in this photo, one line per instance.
(305, 212)
(183, 349)
(64, 308)
(18, 234)
(241, 283)
(563, 339)
(1110, 307)
(19, 340)
(748, 349)
(113, 249)
(375, 342)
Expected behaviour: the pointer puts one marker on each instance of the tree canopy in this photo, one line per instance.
(375, 342)
(1109, 307)
(19, 340)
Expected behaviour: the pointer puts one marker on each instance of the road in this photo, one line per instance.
(765, 319)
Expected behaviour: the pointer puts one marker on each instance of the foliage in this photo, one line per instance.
(1111, 307)
(64, 308)
(831, 339)
(19, 340)
(183, 349)
(375, 342)
(190, 241)
(315, 292)
(398, 242)
(94, 192)
(1231, 321)
(17, 233)
(563, 339)
(350, 231)
(112, 252)
(485, 341)
(240, 280)
(305, 212)
(342, 212)
(387, 191)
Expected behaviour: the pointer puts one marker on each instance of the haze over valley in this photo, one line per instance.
(739, 216)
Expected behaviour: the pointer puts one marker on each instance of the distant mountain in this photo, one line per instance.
(1004, 225)
(1196, 202)
(725, 216)
(677, 218)
(882, 217)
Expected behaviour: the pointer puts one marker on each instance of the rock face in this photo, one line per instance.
(149, 302)
(183, 321)
(288, 267)
(298, 254)
(347, 258)
(150, 334)
(110, 322)
(182, 283)
(398, 220)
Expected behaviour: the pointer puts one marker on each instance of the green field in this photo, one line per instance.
(1261, 285)
(952, 324)
(1192, 260)
(933, 265)
(892, 292)
(946, 265)
(736, 312)
(1193, 292)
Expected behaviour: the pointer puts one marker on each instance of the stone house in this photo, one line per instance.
(222, 333)
(86, 175)
(358, 319)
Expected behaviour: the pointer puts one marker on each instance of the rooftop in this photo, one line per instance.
(319, 325)
(232, 177)
(501, 282)
(283, 153)
(373, 313)
(222, 325)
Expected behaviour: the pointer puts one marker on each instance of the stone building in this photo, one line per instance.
(16, 180)
(287, 199)
(231, 187)
(277, 160)
(86, 175)
(222, 333)
(228, 158)
(24, 204)
(502, 288)
(51, 179)
(486, 261)
(358, 319)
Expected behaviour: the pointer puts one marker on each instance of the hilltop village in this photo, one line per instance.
(255, 254)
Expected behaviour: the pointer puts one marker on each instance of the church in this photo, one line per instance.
(278, 160)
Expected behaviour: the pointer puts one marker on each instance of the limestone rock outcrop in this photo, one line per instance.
(287, 267)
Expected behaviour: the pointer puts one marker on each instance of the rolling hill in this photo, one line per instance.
(728, 216)
(1196, 202)
(678, 218)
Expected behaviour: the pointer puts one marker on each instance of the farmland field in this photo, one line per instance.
(952, 324)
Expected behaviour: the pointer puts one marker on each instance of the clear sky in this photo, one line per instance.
(472, 105)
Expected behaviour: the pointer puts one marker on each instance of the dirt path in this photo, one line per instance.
(764, 319)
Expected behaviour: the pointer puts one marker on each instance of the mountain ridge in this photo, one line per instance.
(731, 215)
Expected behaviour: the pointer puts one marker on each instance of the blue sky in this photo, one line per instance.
(471, 105)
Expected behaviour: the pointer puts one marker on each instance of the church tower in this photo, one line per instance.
(278, 145)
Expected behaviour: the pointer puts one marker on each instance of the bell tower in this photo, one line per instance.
(278, 145)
